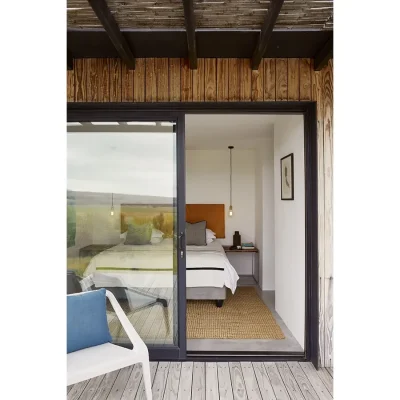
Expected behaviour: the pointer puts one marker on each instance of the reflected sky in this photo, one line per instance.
(126, 162)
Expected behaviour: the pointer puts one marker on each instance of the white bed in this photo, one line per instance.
(151, 266)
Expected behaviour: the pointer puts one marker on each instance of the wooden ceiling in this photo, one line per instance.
(236, 14)
(95, 24)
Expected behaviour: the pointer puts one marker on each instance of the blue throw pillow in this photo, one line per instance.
(87, 320)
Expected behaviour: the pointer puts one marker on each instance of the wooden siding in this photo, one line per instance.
(103, 80)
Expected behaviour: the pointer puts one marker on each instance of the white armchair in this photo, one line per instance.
(98, 360)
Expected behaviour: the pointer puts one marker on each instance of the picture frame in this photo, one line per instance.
(287, 177)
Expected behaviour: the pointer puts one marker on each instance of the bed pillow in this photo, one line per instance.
(156, 240)
(87, 320)
(196, 234)
(210, 236)
(155, 233)
(123, 236)
(139, 234)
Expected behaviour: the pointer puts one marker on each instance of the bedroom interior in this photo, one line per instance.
(123, 228)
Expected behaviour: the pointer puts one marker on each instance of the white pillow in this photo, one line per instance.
(156, 240)
(155, 233)
(210, 236)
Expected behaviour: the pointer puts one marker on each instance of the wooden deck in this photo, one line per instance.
(212, 381)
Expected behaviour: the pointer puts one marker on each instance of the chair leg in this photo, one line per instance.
(147, 379)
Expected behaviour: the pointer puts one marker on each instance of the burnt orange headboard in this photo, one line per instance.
(214, 214)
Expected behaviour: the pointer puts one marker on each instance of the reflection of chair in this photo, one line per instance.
(98, 360)
(74, 285)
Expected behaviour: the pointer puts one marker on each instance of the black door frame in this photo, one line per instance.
(86, 112)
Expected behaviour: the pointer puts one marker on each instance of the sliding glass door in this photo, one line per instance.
(124, 224)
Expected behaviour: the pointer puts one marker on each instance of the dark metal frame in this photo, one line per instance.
(176, 111)
(291, 177)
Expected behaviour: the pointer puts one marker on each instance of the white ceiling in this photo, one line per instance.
(212, 131)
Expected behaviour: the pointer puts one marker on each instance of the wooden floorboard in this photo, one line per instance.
(326, 379)
(264, 383)
(330, 370)
(211, 381)
(238, 386)
(212, 391)
(250, 381)
(172, 386)
(185, 383)
(199, 381)
(319, 386)
(303, 382)
(91, 387)
(289, 381)
(277, 383)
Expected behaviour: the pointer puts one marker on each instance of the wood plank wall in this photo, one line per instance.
(163, 79)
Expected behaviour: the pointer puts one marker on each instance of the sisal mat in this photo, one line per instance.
(243, 316)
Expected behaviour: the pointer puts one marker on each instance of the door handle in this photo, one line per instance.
(181, 242)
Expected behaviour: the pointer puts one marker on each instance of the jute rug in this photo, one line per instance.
(243, 316)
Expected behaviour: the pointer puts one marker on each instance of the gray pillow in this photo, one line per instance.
(139, 234)
(196, 234)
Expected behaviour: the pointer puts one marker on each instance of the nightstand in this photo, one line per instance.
(245, 261)
(93, 249)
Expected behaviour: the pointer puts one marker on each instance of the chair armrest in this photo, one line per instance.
(133, 336)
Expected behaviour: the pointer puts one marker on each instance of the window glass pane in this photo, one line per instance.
(122, 222)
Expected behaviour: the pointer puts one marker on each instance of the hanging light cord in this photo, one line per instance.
(230, 151)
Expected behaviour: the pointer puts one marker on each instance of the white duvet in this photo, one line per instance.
(149, 266)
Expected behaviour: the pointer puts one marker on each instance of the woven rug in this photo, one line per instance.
(243, 316)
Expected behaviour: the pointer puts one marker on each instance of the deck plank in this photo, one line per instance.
(303, 382)
(199, 381)
(212, 391)
(160, 380)
(120, 383)
(326, 379)
(185, 383)
(224, 381)
(141, 394)
(238, 386)
(276, 381)
(250, 381)
(319, 386)
(77, 390)
(133, 383)
(290, 382)
(211, 381)
(172, 385)
(264, 383)
(106, 385)
(91, 388)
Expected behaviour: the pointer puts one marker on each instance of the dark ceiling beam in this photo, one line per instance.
(324, 54)
(70, 60)
(266, 32)
(103, 13)
(190, 24)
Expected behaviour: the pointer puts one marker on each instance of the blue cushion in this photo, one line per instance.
(87, 320)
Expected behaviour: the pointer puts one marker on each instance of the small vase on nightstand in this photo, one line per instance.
(236, 239)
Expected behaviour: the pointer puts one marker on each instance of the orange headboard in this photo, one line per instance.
(214, 214)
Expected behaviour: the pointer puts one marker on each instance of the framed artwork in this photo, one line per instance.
(287, 181)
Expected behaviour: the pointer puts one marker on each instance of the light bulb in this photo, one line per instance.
(112, 211)
(230, 211)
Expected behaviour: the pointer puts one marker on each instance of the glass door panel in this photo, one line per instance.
(122, 224)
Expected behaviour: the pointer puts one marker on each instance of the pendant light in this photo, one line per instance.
(112, 204)
(230, 176)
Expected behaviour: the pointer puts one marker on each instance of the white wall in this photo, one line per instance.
(207, 182)
(290, 228)
(264, 207)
